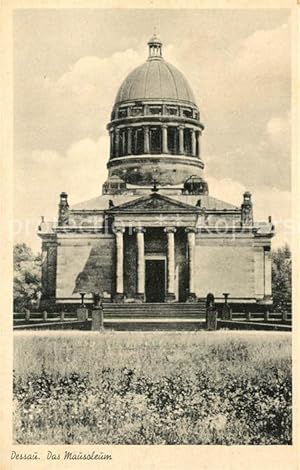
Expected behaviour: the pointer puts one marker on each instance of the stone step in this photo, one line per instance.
(154, 307)
(147, 310)
(142, 315)
(156, 304)
(150, 309)
(154, 325)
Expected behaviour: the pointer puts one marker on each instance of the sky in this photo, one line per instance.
(69, 64)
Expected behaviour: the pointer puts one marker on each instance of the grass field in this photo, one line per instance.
(152, 388)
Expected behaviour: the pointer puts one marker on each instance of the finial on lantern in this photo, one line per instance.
(155, 47)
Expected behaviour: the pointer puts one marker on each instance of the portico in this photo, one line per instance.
(157, 247)
(151, 266)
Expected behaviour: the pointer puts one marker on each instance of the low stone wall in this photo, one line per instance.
(245, 325)
(67, 325)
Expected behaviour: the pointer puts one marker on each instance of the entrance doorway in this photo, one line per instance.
(155, 280)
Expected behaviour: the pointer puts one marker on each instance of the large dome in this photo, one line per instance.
(156, 79)
(155, 125)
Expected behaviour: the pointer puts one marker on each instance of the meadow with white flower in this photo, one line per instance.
(219, 387)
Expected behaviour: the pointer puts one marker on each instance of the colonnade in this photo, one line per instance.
(140, 245)
(137, 140)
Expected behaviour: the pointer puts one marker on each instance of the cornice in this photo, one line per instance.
(154, 120)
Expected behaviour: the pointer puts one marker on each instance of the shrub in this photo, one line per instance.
(27, 278)
(282, 279)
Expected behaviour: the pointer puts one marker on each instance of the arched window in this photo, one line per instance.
(173, 140)
(116, 143)
(123, 142)
(155, 140)
(138, 141)
(187, 142)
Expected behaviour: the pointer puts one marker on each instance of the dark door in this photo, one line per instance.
(155, 280)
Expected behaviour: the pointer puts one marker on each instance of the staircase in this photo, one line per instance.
(154, 316)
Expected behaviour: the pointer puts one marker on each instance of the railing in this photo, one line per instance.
(42, 317)
(265, 316)
(82, 318)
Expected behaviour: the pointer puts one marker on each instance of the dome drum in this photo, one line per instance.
(155, 138)
(140, 170)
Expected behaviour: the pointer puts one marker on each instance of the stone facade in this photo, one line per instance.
(155, 234)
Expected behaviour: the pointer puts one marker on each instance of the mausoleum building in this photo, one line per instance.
(155, 234)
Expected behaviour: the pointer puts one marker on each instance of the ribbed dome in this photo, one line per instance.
(156, 79)
(155, 126)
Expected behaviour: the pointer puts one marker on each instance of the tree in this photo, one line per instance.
(27, 278)
(282, 279)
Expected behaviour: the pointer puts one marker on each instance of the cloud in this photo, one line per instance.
(278, 130)
(266, 202)
(226, 189)
(80, 171)
(97, 79)
(53, 113)
(42, 175)
(264, 53)
(264, 161)
(238, 73)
